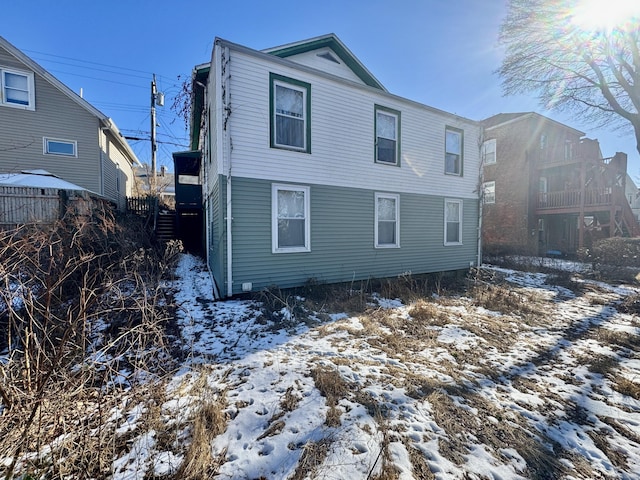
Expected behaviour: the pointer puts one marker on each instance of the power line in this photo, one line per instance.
(92, 68)
(92, 63)
(99, 79)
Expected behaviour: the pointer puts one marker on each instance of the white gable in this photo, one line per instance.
(326, 60)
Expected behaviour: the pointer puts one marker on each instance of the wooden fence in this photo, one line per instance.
(30, 205)
(22, 205)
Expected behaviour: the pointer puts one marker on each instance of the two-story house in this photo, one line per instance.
(46, 126)
(547, 189)
(311, 169)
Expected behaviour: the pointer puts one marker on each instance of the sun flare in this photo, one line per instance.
(606, 15)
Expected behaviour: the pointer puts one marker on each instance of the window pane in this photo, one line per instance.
(16, 88)
(452, 163)
(453, 142)
(386, 209)
(61, 148)
(289, 101)
(453, 229)
(386, 233)
(291, 233)
(386, 150)
(453, 212)
(290, 204)
(386, 126)
(289, 131)
(188, 180)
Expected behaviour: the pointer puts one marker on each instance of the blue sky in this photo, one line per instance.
(442, 53)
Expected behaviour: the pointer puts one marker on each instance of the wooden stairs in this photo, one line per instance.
(166, 226)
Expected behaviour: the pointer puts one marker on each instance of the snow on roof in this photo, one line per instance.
(36, 179)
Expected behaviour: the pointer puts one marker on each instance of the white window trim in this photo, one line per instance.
(274, 218)
(485, 198)
(460, 216)
(46, 140)
(395, 197)
(30, 86)
(305, 114)
(486, 144)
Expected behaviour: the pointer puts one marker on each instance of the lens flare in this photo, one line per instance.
(606, 15)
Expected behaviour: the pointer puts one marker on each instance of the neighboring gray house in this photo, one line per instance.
(44, 125)
(311, 169)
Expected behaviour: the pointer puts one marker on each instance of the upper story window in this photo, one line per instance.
(568, 150)
(452, 222)
(290, 107)
(387, 126)
(453, 151)
(387, 231)
(55, 146)
(290, 218)
(489, 152)
(489, 192)
(543, 141)
(17, 89)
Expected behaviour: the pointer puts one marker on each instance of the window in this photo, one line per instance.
(387, 231)
(290, 219)
(489, 152)
(17, 89)
(387, 126)
(54, 146)
(290, 106)
(453, 222)
(568, 150)
(453, 151)
(184, 179)
(543, 141)
(489, 192)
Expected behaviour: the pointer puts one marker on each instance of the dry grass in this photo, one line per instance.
(428, 313)
(313, 455)
(509, 300)
(627, 387)
(333, 387)
(209, 421)
(601, 364)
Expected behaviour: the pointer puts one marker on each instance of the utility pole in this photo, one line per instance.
(154, 92)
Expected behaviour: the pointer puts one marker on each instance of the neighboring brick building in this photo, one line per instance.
(547, 189)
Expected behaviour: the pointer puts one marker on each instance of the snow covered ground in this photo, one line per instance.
(405, 392)
(529, 380)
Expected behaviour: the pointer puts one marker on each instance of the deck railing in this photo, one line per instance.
(571, 198)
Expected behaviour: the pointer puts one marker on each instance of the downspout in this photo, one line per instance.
(480, 199)
(226, 113)
(101, 134)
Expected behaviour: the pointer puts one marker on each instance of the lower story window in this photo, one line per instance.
(54, 146)
(489, 192)
(452, 222)
(290, 218)
(387, 231)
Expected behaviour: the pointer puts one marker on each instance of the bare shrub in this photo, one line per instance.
(81, 317)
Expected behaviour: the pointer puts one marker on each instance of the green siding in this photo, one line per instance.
(217, 230)
(342, 238)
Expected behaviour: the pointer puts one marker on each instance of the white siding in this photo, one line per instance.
(342, 136)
